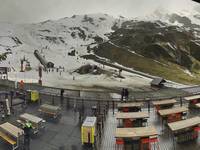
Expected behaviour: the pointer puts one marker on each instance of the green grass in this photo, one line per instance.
(167, 70)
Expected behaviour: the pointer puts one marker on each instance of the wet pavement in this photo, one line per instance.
(64, 134)
(165, 138)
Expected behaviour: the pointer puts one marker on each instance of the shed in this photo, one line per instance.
(158, 82)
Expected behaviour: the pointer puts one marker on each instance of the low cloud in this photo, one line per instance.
(21, 11)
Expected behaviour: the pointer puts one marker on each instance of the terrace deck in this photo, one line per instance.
(65, 133)
(166, 143)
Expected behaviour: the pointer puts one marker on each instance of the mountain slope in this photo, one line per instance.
(155, 48)
(161, 48)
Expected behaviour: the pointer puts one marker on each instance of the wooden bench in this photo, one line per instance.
(37, 122)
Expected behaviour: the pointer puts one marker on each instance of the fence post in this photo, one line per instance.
(53, 100)
(99, 108)
(149, 106)
(83, 107)
(181, 101)
(107, 109)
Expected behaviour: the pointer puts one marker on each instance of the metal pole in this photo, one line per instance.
(53, 100)
(107, 105)
(113, 103)
(11, 98)
(82, 111)
(99, 108)
(173, 141)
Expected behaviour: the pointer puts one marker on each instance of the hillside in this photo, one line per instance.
(156, 48)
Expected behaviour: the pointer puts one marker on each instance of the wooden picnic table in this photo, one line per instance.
(175, 110)
(185, 130)
(50, 107)
(11, 129)
(136, 132)
(183, 124)
(164, 102)
(131, 115)
(37, 122)
(55, 111)
(31, 118)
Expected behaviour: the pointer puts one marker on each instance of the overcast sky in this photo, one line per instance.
(21, 11)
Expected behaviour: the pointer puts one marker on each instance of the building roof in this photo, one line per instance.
(157, 81)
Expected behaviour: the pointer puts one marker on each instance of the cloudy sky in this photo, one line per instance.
(21, 11)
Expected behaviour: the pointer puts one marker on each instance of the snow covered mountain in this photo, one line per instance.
(54, 37)
(81, 39)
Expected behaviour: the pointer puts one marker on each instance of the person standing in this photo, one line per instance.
(126, 94)
(62, 96)
(122, 94)
(27, 132)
